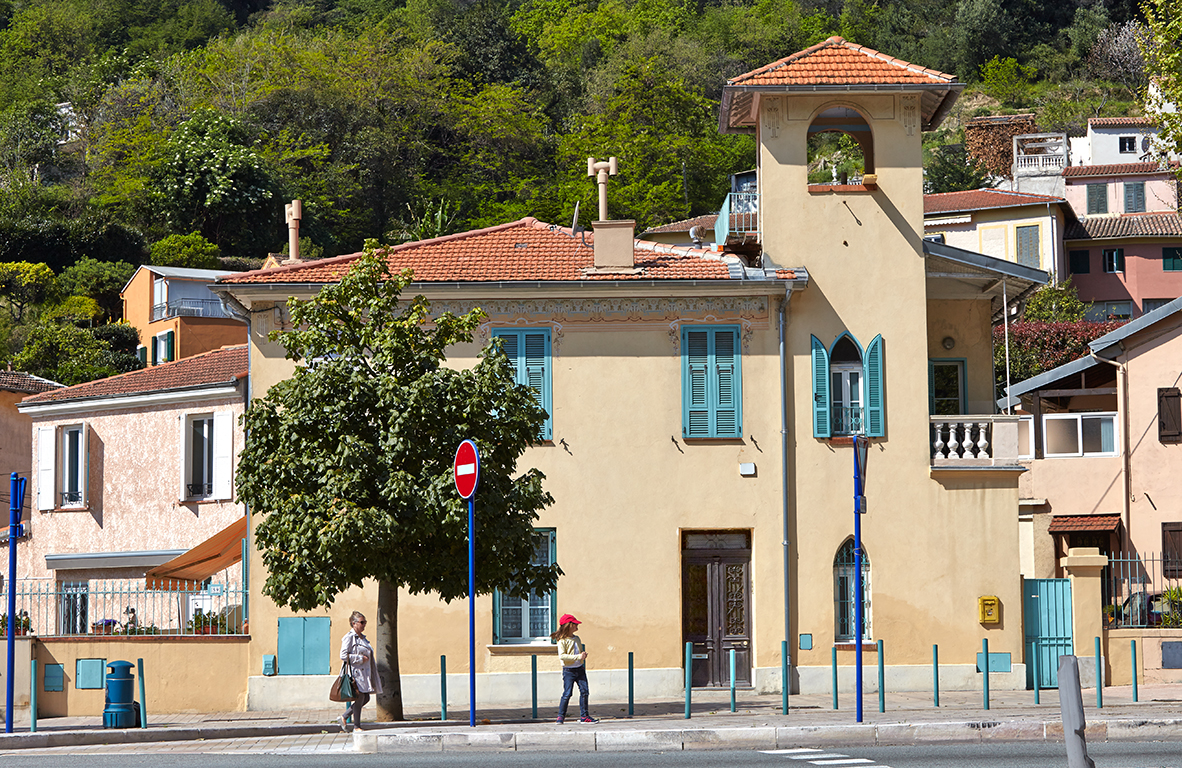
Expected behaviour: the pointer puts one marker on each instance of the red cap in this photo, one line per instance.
(568, 619)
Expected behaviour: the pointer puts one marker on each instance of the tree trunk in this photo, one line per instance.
(389, 704)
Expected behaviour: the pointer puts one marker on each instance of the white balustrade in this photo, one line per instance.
(974, 440)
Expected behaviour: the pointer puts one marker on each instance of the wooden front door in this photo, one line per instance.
(716, 605)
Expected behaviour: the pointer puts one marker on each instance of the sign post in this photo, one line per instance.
(861, 444)
(16, 496)
(467, 476)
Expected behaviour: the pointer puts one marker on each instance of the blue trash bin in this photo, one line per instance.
(120, 709)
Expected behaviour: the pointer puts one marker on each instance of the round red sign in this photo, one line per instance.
(467, 469)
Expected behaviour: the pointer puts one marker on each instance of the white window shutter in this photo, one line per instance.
(223, 453)
(84, 463)
(46, 469)
(183, 450)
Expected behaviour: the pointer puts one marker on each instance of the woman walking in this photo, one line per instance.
(574, 667)
(357, 653)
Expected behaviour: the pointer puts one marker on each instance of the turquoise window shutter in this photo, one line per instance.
(875, 412)
(821, 423)
(536, 363)
(553, 592)
(728, 420)
(142, 353)
(695, 352)
(496, 617)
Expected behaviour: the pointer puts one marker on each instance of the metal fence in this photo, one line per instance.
(188, 308)
(130, 607)
(1143, 590)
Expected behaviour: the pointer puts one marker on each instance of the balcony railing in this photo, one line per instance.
(188, 308)
(738, 219)
(71, 498)
(974, 441)
(199, 490)
(1040, 162)
(848, 420)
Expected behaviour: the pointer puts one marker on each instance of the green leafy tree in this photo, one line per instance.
(102, 281)
(1055, 304)
(349, 461)
(123, 339)
(191, 251)
(952, 169)
(1162, 50)
(64, 353)
(23, 284)
(1035, 347)
(1006, 80)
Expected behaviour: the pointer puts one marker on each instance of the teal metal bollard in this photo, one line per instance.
(785, 683)
(1133, 649)
(733, 702)
(881, 680)
(139, 668)
(442, 687)
(33, 696)
(1099, 677)
(631, 689)
(985, 671)
(1037, 684)
(935, 675)
(533, 685)
(834, 657)
(689, 676)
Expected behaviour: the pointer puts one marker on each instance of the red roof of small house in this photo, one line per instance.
(837, 61)
(980, 199)
(18, 381)
(523, 250)
(1118, 122)
(1117, 169)
(1078, 523)
(221, 366)
(706, 222)
(1168, 224)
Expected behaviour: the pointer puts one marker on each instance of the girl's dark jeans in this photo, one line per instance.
(570, 676)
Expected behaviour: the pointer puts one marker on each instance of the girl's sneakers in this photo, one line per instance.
(587, 719)
(560, 720)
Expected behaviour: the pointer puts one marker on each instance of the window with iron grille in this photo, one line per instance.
(843, 593)
(528, 619)
(1128, 144)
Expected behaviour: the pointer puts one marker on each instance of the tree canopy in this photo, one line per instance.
(349, 465)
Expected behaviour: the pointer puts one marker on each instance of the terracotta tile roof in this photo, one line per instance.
(1126, 225)
(1025, 117)
(18, 381)
(839, 62)
(978, 199)
(1078, 523)
(1115, 122)
(1116, 169)
(221, 366)
(524, 250)
(706, 222)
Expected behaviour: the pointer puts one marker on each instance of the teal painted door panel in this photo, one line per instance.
(290, 648)
(317, 645)
(1047, 604)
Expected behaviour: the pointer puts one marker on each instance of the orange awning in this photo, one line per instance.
(187, 571)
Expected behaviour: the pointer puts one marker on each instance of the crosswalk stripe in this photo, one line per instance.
(810, 758)
(843, 761)
(788, 751)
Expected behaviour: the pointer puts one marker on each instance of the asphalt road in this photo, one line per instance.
(1017, 755)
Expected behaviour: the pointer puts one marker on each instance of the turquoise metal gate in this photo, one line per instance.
(1047, 604)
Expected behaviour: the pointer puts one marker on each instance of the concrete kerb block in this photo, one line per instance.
(480, 740)
(556, 741)
(398, 742)
(825, 736)
(635, 741)
(729, 738)
(1014, 731)
(926, 733)
(1097, 731)
(1145, 730)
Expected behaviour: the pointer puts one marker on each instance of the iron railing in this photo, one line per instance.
(1143, 590)
(738, 219)
(131, 606)
(848, 420)
(188, 308)
(199, 490)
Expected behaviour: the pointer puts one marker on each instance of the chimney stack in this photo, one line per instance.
(294, 211)
(614, 251)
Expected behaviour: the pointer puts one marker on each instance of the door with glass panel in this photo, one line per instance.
(716, 605)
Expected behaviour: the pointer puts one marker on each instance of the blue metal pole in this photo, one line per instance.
(881, 680)
(733, 707)
(1099, 677)
(33, 696)
(533, 685)
(1037, 684)
(139, 664)
(472, 611)
(443, 688)
(689, 676)
(857, 585)
(631, 689)
(1133, 643)
(935, 675)
(833, 656)
(785, 680)
(13, 533)
(985, 671)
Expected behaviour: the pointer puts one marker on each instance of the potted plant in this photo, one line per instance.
(104, 627)
(1109, 615)
(22, 625)
(207, 624)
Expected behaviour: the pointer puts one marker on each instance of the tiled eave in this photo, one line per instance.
(736, 113)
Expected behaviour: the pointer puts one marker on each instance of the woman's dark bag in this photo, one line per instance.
(343, 688)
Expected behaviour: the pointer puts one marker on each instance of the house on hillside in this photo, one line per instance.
(702, 408)
(15, 442)
(1117, 141)
(176, 314)
(1026, 229)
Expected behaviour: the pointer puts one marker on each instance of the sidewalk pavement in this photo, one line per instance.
(910, 718)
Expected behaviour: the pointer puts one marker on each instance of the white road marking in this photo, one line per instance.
(843, 761)
(789, 751)
(810, 758)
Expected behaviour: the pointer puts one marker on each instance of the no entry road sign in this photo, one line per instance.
(467, 469)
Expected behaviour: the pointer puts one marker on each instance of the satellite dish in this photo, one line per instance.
(574, 224)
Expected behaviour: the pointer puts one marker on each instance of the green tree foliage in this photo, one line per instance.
(23, 284)
(952, 169)
(65, 353)
(123, 339)
(99, 280)
(349, 465)
(1006, 80)
(1055, 304)
(191, 251)
(1162, 50)
(1036, 347)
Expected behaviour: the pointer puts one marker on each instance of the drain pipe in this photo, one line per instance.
(786, 683)
(1122, 370)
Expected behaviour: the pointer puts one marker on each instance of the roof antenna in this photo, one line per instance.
(575, 228)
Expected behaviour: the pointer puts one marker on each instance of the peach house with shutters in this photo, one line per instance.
(702, 407)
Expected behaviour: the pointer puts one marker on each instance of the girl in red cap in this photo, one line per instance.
(574, 667)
